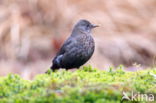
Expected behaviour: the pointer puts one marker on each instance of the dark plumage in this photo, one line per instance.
(77, 49)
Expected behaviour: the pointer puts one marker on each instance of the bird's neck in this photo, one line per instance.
(77, 32)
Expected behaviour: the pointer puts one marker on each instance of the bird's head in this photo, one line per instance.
(84, 26)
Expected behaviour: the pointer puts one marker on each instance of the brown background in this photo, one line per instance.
(31, 32)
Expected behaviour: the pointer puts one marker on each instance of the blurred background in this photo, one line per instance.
(32, 31)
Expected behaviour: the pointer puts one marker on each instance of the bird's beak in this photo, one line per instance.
(94, 26)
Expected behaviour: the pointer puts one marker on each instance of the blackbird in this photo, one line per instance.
(77, 49)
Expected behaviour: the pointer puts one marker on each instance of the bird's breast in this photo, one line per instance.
(86, 45)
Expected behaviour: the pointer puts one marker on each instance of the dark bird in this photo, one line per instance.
(77, 49)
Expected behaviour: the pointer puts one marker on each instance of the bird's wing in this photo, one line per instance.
(65, 47)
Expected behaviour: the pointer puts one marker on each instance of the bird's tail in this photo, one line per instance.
(56, 63)
(54, 67)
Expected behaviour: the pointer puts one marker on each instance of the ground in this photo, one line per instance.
(86, 85)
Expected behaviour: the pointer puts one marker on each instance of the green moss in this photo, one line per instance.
(86, 85)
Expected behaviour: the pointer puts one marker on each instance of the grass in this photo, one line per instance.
(86, 85)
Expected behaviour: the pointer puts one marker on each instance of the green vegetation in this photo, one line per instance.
(86, 85)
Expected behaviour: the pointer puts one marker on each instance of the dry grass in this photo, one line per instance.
(31, 31)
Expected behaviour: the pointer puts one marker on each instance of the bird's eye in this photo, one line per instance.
(88, 25)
